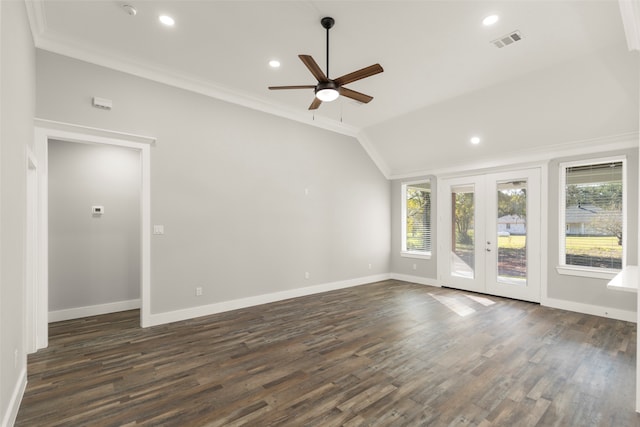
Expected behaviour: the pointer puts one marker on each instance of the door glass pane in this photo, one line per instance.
(462, 233)
(512, 232)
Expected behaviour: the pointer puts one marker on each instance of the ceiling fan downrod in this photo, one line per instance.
(327, 23)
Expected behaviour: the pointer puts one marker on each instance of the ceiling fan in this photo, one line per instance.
(330, 89)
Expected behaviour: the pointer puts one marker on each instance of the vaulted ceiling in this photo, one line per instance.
(571, 78)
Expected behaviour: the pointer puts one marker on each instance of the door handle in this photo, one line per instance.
(488, 250)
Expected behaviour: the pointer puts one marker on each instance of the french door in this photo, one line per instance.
(489, 233)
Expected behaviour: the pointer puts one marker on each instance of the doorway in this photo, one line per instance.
(37, 304)
(491, 232)
(94, 229)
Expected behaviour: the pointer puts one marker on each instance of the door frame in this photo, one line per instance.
(37, 303)
(32, 254)
(480, 178)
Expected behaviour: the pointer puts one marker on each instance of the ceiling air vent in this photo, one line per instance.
(507, 39)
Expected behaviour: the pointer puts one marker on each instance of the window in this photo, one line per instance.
(592, 213)
(416, 219)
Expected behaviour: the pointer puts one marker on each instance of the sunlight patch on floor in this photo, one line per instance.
(480, 300)
(458, 307)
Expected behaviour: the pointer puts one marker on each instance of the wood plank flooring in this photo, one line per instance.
(384, 354)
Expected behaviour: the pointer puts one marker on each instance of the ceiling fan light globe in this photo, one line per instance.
(327, 95)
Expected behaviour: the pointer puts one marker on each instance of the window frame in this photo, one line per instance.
(403, 220)
(574, 270)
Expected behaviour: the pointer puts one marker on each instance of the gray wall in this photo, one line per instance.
(93, 259)
(228, 184)
(425, 268)
(582, 289)
(17, 105)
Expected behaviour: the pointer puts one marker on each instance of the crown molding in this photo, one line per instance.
(535, 156)
(38, 24)
(37, 19)
(190, 84)
(375, 156)
(630, 13)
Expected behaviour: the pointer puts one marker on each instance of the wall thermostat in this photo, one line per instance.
(97, 210)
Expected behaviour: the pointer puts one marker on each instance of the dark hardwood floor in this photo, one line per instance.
(388, 353)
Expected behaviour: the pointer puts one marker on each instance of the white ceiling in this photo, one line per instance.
(435, 54)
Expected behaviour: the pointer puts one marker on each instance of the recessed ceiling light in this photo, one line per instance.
(475, 140)
(167, 20)
(490, 20)
(274, 63)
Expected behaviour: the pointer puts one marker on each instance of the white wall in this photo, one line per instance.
(228, 184)
(17, 75)
(93, 259)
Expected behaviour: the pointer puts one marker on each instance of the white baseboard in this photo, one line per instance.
(596, 310)
(614, 313)
(206, 310)
(10, 416)
(93, 310)
(415, 279)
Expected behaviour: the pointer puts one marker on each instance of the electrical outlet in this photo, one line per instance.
(306, 275)
(199, 291)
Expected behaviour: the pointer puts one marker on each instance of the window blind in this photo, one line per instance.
(593, 215)
(418, 206)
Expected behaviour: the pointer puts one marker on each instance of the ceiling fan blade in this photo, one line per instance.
(313, 66)
(361, 97)
(292, 87)
(358, 75)
(315, 104)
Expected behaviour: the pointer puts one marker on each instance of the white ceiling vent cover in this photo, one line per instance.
(507, 39)
(102, 103)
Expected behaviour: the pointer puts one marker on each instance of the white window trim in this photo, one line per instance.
(403, 222)
(597, 273)
(414, 254)
(572, 270)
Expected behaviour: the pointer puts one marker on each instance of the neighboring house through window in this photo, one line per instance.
(416, 219)
(512, 224)
(592, 215)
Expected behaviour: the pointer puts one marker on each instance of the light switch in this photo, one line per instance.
(158, 229)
